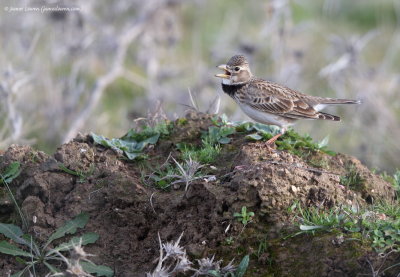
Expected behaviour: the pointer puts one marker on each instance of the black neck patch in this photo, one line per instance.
(231, 89)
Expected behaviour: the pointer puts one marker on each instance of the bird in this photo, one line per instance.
(271, 103)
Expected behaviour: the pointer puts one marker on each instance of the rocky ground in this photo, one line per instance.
(128, 211)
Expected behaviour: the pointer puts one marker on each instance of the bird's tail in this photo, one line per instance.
(326, 116)
(333, 101)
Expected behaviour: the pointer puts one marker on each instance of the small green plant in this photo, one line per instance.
(394, 180)
(133, 143)
(379, 223)
(244, 216)
(82, 175)
(239, 272)
(181, 121)
(183, 173)
(352, 179)
(45, 255)
(219, 134)
(173, 261)
(229, 240)
(290, 141)
(262, 247)
(161, 177)
(12, 172)
(206, 154)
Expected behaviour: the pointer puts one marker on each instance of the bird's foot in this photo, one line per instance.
(270, 144)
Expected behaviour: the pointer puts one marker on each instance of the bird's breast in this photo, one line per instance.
(231, 90)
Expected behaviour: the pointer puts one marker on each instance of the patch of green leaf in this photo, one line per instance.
(301, 145)
(99, 270)
(11, 172)
(6, 177)
(290, 141)
(82, 175)
(25, 246)
(207, 153)
(219, 134)
(394, 180)
(352, 179)
(239, 272)
(131, 144)
(185, 173)
(244, 216)
(162, 176)
(380, 224)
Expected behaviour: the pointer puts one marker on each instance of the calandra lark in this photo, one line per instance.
(270, 103)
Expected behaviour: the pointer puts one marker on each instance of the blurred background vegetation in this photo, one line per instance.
(99, 68)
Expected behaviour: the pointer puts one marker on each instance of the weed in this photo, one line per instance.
(229, 240)
(206, 154)
(380, 223)
(12, 172)
(44, 255)
(162, 176)
(181, 121)
(394, 180)
(244, 216)
(82, 175)
(133, 143)
(183, 173)
(219, 134)
(318, 162)
(352, 178)
(290, 141)
(173, 261)
(33, 157)
(262, 247)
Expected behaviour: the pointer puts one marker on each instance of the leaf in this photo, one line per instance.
(51, 268)
(82, 240)
(310, 228)
(13, 232)
(214, 273)
(254, 136)
(99, 270)
(324, 142)
(131, 144)
(8, 248)
(12, 172)
(241, 270)
(224, 140)
(67, 170)
(70, 227)
(21, 273)
(131, 155)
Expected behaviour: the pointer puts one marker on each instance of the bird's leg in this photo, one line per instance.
(271, 142)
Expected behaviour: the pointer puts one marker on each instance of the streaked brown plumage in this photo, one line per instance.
(270, 103)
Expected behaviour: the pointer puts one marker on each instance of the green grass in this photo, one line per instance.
(207, 153)
(352, 179)
(379, 224)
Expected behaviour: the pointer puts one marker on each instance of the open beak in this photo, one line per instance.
(226, 74)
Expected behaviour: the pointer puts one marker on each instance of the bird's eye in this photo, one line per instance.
(237, 68)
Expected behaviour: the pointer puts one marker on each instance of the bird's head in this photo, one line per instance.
(236, 71)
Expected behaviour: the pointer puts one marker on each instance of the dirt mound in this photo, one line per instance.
(128, 214)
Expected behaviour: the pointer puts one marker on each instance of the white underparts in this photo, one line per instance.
(266, 118)
(319, 107)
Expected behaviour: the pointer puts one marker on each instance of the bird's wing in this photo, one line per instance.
(275, 99)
